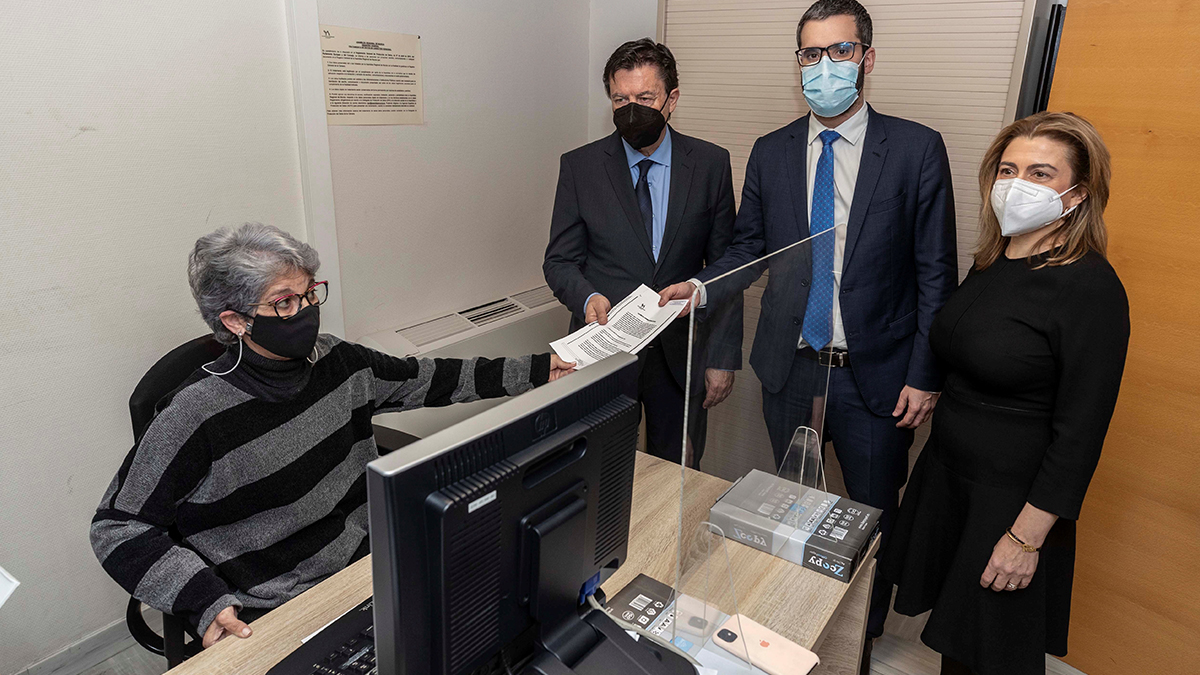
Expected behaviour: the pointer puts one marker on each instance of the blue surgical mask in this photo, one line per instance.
(830, 87)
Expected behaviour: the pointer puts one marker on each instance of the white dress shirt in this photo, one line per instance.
(847, 155)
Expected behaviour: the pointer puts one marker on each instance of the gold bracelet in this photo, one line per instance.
(1024, 547)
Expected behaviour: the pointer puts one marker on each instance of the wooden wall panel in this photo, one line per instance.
(1129, 66)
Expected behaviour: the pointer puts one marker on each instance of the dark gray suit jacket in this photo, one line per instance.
(598, 243)
(900, 263)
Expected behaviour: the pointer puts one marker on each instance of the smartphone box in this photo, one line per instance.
(651, 604)
(644, 602)
(819, 530)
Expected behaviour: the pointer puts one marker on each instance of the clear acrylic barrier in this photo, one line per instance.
(772, 419)
(706, 610)
(804, 461)
(784, 390)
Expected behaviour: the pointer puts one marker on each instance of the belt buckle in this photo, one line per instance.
(829, 358)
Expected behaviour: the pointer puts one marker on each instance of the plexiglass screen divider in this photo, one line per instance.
(707, 621)
(763, 325)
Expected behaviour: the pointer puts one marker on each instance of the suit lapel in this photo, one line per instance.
(797, 166)
(677, 199)
(870, 167)
(617, 167)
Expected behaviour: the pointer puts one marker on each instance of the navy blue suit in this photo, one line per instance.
(899, 267)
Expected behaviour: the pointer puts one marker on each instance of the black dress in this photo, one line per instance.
(1033, 360)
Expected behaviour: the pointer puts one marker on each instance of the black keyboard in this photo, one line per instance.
(344, 647)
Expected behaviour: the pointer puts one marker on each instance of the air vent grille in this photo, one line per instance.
(616, 479)
(535, 297)
(473, 587)
(431, 331)
(492, 312)
(464, 461)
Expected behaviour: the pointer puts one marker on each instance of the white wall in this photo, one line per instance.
(127, 130)
(127, 133)
(455, 212)
(613, 23)
(442, 216)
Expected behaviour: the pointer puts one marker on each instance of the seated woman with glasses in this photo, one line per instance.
(248, 487)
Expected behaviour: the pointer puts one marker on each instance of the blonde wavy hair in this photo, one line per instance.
(1081, 231)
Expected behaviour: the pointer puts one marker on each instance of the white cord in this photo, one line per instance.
(241, 342)
(656, 639)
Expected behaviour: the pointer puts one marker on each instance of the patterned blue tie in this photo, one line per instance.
(818, 316)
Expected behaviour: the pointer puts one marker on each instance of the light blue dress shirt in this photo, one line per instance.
(660, 184)
(660, 190)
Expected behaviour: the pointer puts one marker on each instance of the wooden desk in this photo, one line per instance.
(813, 610)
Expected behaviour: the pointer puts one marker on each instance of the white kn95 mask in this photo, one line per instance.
(1022, 207)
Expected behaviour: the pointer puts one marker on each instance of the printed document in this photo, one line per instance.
(8, 584)
(632, 324)
(371, 77)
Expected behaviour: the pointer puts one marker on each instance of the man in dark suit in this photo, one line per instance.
(879, 189)
(649, 205)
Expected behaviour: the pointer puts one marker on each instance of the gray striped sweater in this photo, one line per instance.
(232, 498)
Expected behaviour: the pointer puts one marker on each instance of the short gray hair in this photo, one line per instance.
(231, 269)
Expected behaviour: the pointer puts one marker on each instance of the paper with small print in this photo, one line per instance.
(8, 584)
(632, 324)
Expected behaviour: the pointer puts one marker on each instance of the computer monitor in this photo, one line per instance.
(486, 537)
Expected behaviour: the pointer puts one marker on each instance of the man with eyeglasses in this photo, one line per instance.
(856, 304)
(249, 485)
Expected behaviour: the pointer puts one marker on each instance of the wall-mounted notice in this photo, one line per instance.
(371, 77)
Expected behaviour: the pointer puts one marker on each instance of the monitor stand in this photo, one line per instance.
(598, 646)
(576, 638)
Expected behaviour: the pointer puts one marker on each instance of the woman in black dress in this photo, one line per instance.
(1033, 344)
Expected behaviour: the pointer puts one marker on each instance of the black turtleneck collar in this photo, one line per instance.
(267, 379)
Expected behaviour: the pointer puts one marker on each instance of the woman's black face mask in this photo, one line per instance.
(292, 338)
(640, 125)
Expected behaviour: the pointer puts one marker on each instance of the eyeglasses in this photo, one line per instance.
(287, 306)
(842, 51)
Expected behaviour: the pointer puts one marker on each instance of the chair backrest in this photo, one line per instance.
(164, 376)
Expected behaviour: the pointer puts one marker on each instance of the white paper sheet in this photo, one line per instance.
(317, 632)
(371, 77)
(8, 584)
(632, 324)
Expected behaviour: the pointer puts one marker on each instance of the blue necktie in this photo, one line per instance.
(818, 316)
(643, 195)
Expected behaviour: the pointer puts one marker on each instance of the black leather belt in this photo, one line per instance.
(833, 358)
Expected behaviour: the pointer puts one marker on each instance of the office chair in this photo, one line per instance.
(163, 377)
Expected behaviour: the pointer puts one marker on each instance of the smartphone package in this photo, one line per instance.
(643, 602)
(819, 530)
(652, 605)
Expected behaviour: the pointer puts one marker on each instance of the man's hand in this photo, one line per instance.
(224, 625)
(597, 310)
(680, 291)
(558, 367)
(717, 386)
(915, 405)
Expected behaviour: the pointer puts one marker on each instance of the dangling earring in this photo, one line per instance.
(241, 345)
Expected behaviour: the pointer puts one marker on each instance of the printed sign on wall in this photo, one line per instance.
(371, 77)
